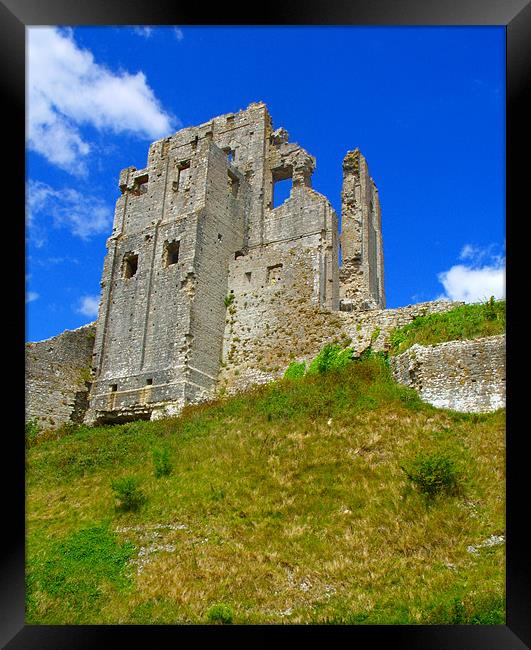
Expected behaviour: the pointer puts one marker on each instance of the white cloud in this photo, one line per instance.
(143, 30)
(146, 31)
(482, 278)
(469, 251)
(68, 89)
(88, 306)
(82, 214)
(31, 296)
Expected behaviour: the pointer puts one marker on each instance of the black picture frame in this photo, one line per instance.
(515, 16)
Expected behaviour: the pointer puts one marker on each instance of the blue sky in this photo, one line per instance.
(424, 104)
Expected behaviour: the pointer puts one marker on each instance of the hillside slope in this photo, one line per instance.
(287, 504)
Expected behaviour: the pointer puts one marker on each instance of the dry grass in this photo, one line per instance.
(288, 504)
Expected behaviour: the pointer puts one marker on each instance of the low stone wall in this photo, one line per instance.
(266, 331)
(57, 375)
(461, 375)
(464, 376)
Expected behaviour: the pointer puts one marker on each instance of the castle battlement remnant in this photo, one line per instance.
(196, 229)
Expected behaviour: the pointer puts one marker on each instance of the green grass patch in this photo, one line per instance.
(464, 322)
(75, 573)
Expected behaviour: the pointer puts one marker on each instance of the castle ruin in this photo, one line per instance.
(197, 227)
(209, 287)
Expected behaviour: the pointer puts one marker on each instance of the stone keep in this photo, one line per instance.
(197, 230)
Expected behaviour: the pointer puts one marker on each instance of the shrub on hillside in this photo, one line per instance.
(331, 357)
(128, 492)
(31, 430)
(433, 474)
(220, 614)
(161, 462)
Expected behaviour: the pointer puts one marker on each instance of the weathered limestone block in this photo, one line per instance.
(58, 376)
(464, 376)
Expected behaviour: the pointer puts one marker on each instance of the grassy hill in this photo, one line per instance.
(337, 497)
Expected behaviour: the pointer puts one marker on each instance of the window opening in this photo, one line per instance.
(114, 388)
(171, 252)
(248, 276)
(234, 184)
(130, 265)
(140, 184)
(231, 154)
(149, 382)
(281, 191)
(183, 177)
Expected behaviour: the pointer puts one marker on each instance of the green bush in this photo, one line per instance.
(491, 309)
(128, 492)
(331, 357)
(161, 462)
(295, 370)
(369, 354)
(220, 614)
(433, 474)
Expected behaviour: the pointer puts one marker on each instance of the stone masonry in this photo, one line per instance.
(464, 376)
(58, 377)
(209, 287)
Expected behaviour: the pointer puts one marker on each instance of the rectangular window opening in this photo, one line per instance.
(183, 177)
(234, 184)
(171, 252)
(130, 265)
(113, 387)
(230, 153)
(281, 191)
(140, 184)
(149, 382)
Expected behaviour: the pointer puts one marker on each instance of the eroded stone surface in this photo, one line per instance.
(464, 376)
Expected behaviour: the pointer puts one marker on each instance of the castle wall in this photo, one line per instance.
(307, 221)
(460, 375)
(271, 325)
(57, 372)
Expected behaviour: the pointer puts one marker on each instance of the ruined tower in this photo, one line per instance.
(361, 275)
(197, 229)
